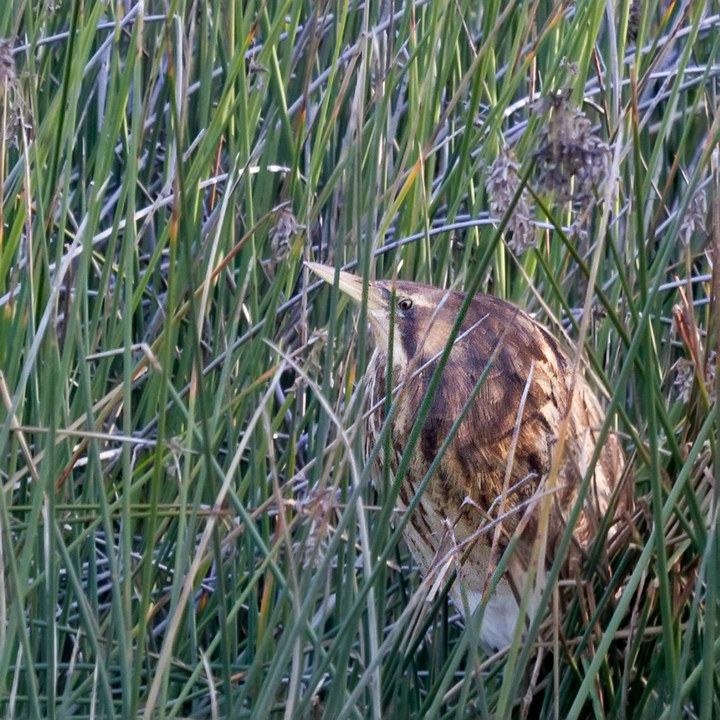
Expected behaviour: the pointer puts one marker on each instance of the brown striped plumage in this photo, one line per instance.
(483, 489)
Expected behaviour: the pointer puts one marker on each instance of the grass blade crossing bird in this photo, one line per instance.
(493, 471)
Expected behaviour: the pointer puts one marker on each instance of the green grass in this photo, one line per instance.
(188, 526)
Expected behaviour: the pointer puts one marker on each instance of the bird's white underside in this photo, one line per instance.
(502, 611)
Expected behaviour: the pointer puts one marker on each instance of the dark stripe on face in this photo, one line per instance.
(407, 338)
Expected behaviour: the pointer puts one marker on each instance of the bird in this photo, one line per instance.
(516, 384)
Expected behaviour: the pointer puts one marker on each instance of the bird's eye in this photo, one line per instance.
(405, 304)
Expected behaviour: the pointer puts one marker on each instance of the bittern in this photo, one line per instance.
(515, 383)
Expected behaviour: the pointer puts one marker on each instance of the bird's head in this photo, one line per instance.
(421, 316)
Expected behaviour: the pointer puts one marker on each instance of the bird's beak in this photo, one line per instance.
(351, 285)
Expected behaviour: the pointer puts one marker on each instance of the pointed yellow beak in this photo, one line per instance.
(351, 285)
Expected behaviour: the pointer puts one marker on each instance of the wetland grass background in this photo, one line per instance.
(187, 525)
